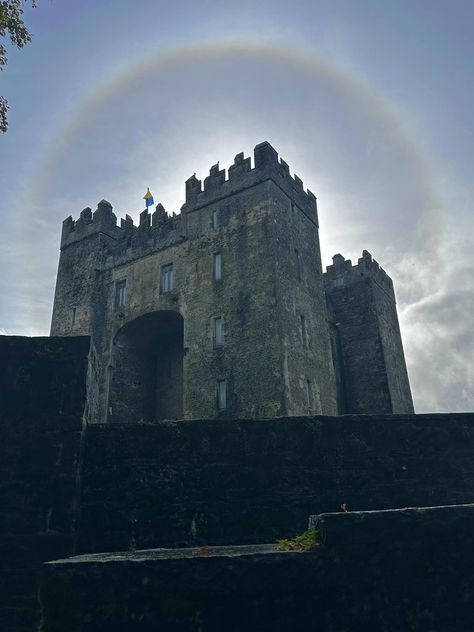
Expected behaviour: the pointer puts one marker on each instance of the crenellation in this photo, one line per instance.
(160, 217)
(68, 227)
(342, 273)
(238, 232)
(193, 189)
(127, 223)
(368, 266)
(265, 156)
(240, 167)
(298, 182)
(104, 214)
(267, 166)
(215, 179)
(103, 220)
(84, 218)
(284, 167)
(140, 242)
(311, 196)
(145, 220)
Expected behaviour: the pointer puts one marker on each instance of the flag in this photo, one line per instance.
(148, 198)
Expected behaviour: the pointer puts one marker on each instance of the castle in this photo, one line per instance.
(223, 313)
(224, 310)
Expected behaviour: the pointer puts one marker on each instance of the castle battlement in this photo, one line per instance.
(177, 306)
(342, 273)
(159, 224)
(241, 175)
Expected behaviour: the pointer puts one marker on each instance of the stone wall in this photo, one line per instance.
(42, 395)
(264, 227)
(190, 482)
(382, 571)
(367, 346)
(224, 482)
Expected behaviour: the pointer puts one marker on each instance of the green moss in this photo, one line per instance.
(307, 541)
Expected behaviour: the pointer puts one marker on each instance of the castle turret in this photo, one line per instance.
(85, 244)
(370, 367)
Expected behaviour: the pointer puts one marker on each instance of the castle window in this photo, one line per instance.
(221, 394)
(120, 294)
(217, 266)
(215, 219)
(304, 337)
(167, 278)
(73, 320)
(309, 388)
(298, 265)
(218, 332)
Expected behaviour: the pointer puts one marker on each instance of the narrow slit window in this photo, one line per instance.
(222, 394)
(120, 294)
(309, 387)
(217, 266)
(218, 332)
(304, 337)
(215, 219)
(167, 278)
(73, 319)
(298, 265)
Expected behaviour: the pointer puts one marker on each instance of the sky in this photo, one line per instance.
(369, 102)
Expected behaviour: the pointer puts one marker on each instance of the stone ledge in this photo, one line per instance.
(378, 527)
(390, 582)
(169, 554)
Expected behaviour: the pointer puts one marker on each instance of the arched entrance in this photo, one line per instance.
(146, 382)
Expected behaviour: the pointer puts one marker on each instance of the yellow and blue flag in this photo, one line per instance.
(148, 198)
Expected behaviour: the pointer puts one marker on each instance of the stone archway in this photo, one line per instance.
(147, 369)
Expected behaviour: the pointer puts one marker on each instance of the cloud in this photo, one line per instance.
(438, 327)
(373, 192)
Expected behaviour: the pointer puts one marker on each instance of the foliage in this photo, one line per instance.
(307, 541)
(12, 26)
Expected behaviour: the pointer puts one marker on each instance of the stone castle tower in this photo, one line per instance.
(224, 311)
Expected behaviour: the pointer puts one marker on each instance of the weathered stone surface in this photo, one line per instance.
(390, 571)
(281, 354)
(409, 525)
(264, 227)
(366, 340)
(42, 395)
(197, 482)
(42, 376)
(214, 482)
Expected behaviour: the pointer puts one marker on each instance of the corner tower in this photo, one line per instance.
(85, 245)
(367, 346)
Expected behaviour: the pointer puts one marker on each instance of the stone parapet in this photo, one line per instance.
(241, 175)
(157, 224)
(343, 274)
